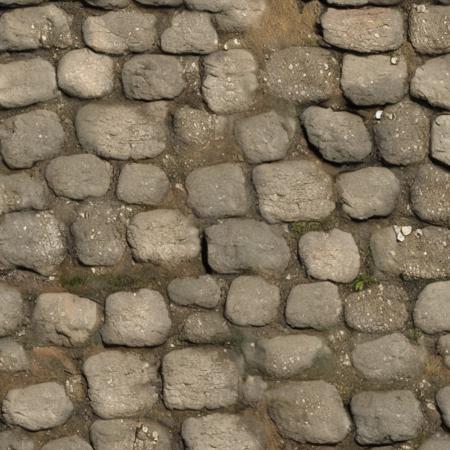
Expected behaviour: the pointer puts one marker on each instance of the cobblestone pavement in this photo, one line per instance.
(224, 225)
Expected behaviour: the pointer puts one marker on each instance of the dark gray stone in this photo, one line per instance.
(440, 139)
(206, 327)
(12, 307)
(203, 291)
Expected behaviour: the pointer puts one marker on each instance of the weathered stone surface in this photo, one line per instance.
(218, 191)
(244, 244)
(428, 29)
(303, 75)
(122, 131)
(332, 256)
(163, 236)
(253, 389)
(224, 432)
(31, 28)
(13, 357)
(444, 348)
(83, 73)
(190, 32)
(440, 139)
(440, 441)
(206, 327)
(443, 402)
(374, 80)
(142, 184)
(265, 137)
(25, 82)
(314, 305)
(37, 407)
(309, 412)
(121, 384)
(67, 443)
(253, 301)
(291, 191)
(230, 82)
(79, 176)
(388, 358)
(430, 194)
(287, 356)
(386, 417)
(197, 378)
(31, 240)
(203, 291)
(377, 309)
(15, 439)
(136, 319)
(366, 30)
(430, 82)
(109, 4)
(12, 307)
(402, 135)
(30, 137)
(65, 319)
(423, 254)
(121, 32)
(363, 3)
(153, 77)
(369, 192)
(11, 3)
(340, 136)
(122, 434)
(432, 309)
(161, 2)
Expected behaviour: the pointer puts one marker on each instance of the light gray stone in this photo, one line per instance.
(206, 327)
(374, 80)
(439, 441)
(290, 191)
(37, 407)
(440, 139)
(68, 443)
(444, 348)
(13, 309)
(15, 439)
(13, 357)
(203, 291)
(443, 402)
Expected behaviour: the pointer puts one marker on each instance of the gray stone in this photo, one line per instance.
(224, 432)
(163, 236)
(332, 256)
(368, 192)
(153, 77)
(440, 139)
(142, 184)
(11, 3)
(37, 407)
(122, 131)
(388, 358)
(197, 127)
(244, 244)
(200, 377)
(439, 441)
(265, 137)
(309, 412)
(67, 443)
(430, 194)
(253, 301)
(230, 82)
(206, 327)
(402, 135)
(421, 255)
(432, 309)
(314, 305)
(161, 2)
(31, 240)
(430, 82)
(287, 356)
(386, 417)
(303, 75)
(203, 291)
(290, 191)
(25, 82)
(444, 348)
(123, 434)
(13, 357)
(443, 402)
(31, 28)
(374, 80)
(15, 439)
(85, 74)
(13, 309)
(428, 29)
(378, 309)
(363, 3)
(191, 33)
(253, 389)
(218, 191)
(121, 32)
(79, 176)
(340, 136)
(366, 30)
(30, 137)
(136, 319)
(65, 319)
(109, 4)
(121, 384)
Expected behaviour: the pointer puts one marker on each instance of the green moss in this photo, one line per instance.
(414, 334)
(300, 228)
(362, 281)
